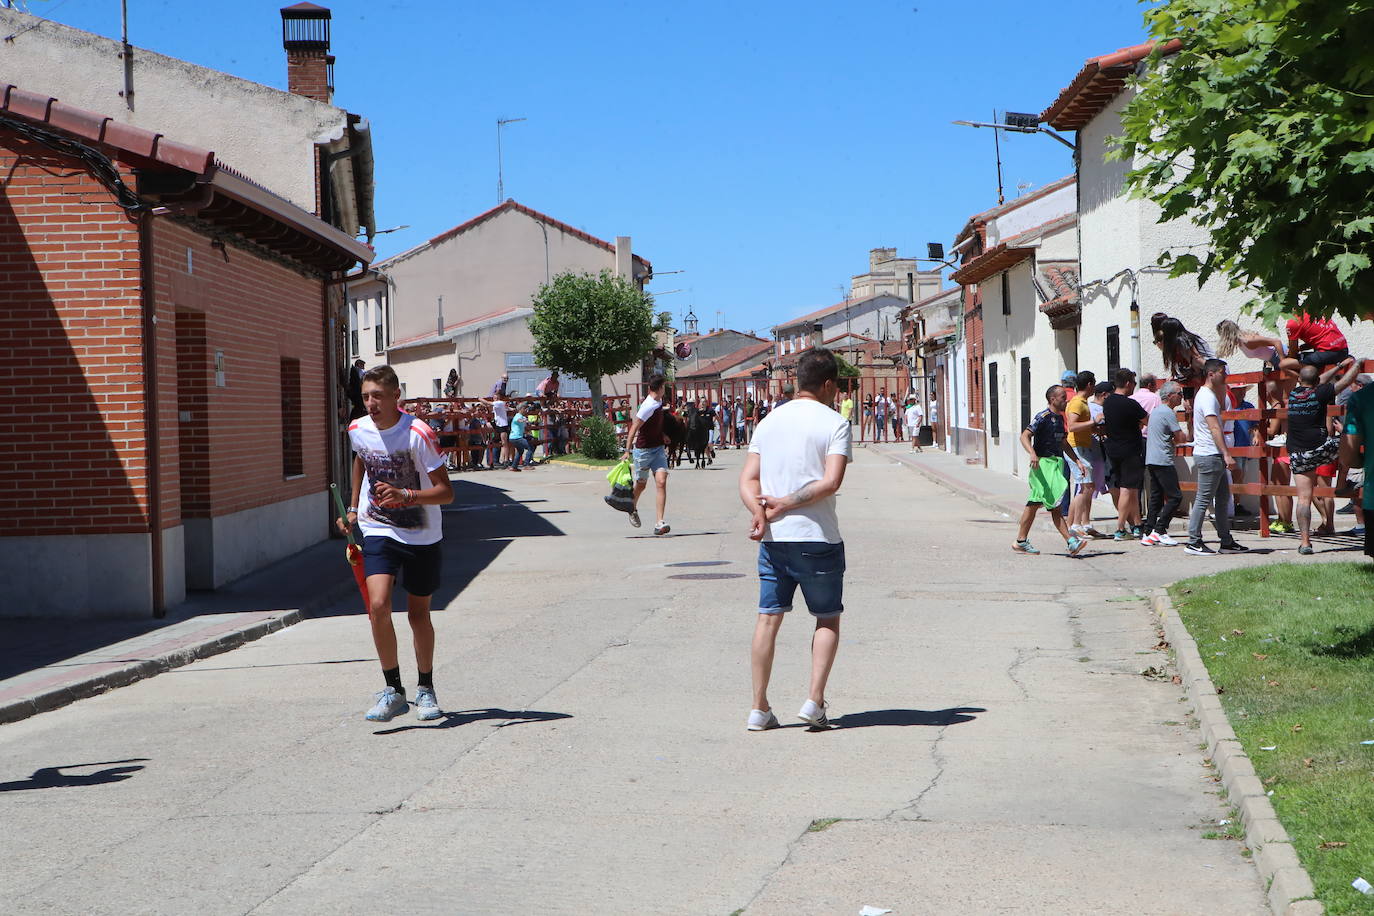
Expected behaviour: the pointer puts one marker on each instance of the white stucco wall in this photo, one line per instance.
(265, 133)
(1031, 214)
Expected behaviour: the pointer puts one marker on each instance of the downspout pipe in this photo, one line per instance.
(152, 431)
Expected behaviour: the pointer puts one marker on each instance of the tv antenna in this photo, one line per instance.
(500, 177)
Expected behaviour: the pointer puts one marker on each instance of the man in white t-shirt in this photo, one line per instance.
(1213, 463)
(645, 445)
(796, 463)
(915, 416)
(500, 418)
(399, 483)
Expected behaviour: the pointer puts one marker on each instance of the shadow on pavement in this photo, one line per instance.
(54, 778)
(481, 522)
(505, 716)
(900, 717)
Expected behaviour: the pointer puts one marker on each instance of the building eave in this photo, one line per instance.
(1101, 80)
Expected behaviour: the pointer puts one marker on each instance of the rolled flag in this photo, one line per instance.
(353, 553)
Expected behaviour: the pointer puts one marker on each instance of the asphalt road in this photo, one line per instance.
(997, 748)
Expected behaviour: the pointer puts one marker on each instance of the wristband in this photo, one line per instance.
(352, 510)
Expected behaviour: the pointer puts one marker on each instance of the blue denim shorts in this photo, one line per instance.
(816, 566)
(648, 461)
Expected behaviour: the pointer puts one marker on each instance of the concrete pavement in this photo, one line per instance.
(997, 748)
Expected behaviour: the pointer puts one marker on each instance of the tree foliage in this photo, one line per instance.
(591, 326)
(1261, 130)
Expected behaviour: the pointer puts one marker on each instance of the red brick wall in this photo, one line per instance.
(70, 330)
(255, 311)
(72, 453)
(307, 74)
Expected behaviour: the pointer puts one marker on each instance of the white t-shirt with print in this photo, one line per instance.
(914, 416)
(401, 455)
(793, 443)
(1205, 405)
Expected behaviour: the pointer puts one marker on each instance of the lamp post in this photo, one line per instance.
(1019, 123)
(500, 178)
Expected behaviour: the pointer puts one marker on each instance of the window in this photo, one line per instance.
(1025, 392)
(994, 405)
(1006, 293)
(381, 343)
(438, 388)
(292, 449)
(353, 326)
(1113, 349)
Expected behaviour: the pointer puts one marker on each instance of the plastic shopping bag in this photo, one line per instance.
(621, 475)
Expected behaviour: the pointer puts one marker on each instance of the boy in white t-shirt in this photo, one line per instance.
(796, 463)
(915, 416)
(399, 483)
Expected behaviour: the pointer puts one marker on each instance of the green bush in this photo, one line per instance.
(598, 438)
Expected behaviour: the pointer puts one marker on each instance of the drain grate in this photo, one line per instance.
(708, 576)
(699, 563)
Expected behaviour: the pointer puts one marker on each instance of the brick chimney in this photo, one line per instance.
(309, 65)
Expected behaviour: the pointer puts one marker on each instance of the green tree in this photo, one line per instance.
(1260, 130)
(591, 326)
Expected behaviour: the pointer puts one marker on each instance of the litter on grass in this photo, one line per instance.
(1367, 742)
(1362, 886)
(1272, 747)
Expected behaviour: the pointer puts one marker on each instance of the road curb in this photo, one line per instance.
(124, 675)
(1290, 889)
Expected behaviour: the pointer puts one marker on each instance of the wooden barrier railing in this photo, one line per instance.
(453, 416)
(1264, 454)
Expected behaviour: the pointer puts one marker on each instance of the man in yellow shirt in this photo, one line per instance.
(1078, 421)
(847, 407)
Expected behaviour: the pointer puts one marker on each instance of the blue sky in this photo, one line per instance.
(761, 148)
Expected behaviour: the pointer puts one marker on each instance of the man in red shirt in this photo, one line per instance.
(1326, 344)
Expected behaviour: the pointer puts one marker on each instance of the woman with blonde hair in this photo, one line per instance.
(1231, 337)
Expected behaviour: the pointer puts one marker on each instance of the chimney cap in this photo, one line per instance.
(305, 11)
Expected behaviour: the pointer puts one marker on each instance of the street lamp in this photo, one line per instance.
(1020, 123)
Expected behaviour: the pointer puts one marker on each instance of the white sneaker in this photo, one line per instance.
(813, 715)
(760, 721)
(634, 518)
(426, 704)
(389, 705)
(1163, 540)
(1148, 539)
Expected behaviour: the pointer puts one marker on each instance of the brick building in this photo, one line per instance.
(164, 323)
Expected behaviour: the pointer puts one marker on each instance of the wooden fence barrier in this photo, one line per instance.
(450, 418)
(1264, 454)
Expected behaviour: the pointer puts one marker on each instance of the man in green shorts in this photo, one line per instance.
(1046, 443)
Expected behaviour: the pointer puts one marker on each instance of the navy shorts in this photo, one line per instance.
(816, 566)
(1322, 358)
(415, 565)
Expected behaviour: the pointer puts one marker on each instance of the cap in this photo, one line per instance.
(1068, 378)
(1364, 378)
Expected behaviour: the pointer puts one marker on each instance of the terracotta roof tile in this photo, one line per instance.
(832, 309)
(715, 366)
(90, 125)
(1101, 80)
(528, 211)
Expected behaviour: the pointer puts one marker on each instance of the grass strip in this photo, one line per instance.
(584, 461)
(1290, 648)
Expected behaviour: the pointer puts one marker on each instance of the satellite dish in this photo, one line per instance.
(683, 350)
